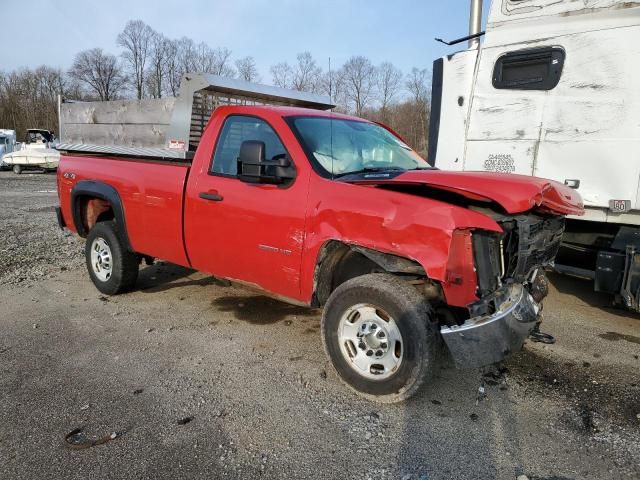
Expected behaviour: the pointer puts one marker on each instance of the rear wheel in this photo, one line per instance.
(17, 169)
(112, 267)
(379, 334)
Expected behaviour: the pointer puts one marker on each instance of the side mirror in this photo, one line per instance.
(253, 167)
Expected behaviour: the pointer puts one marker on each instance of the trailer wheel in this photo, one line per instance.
(380, 336)
(112, 267)
(17, 169)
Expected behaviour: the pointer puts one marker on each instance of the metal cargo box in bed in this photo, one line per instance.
(166, 128)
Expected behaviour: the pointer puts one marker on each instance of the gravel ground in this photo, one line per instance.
(32, 246)
(198, 379)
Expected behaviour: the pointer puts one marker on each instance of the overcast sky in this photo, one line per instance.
(401, 31)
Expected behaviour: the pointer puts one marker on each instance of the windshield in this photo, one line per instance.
(348, 146)
(39, 136)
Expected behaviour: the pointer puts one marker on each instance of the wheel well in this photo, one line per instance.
(93, 201)
(94, 210)
(339, 262)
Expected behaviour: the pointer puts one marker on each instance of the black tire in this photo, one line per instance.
(124, 263)
(17, 169)
(414, 319)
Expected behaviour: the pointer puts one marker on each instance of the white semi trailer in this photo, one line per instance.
(553, 90)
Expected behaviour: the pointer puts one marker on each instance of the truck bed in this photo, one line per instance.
(152, 196)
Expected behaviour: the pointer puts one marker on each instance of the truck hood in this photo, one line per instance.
(514, 193)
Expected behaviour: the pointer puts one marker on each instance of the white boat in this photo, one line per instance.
(38, 152)
(41, 158)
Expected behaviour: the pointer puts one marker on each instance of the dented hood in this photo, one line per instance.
(514, 193)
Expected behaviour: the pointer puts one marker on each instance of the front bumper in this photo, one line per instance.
(488, 339)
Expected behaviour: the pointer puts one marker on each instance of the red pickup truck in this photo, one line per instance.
(334, 212)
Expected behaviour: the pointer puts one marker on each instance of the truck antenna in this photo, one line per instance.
(330, 84)
(331, 116)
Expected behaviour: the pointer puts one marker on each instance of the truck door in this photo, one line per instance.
(241, 231)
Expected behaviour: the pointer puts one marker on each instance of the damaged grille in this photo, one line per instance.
(530, 242)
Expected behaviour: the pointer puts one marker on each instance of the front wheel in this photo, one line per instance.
(112, 267)
(17, 169)
(379, 334)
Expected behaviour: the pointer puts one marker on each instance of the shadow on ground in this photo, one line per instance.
(165, 276)
(259, 309)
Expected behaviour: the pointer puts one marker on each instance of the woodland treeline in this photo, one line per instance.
(150, 65)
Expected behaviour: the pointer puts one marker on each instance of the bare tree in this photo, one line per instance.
(410, 120)
(183, 55)
(158, 56)
(282, 74)
(389, 84)
(29, 98)
(203, 59)
(100, 71)
(222, 63)
(332, 84)
(359, 76)
(216, 61)
(306, 74)
(73, 89)
(50, 83)
(247, 69)
(187, 55)
(417, 83)
(136, 40)
(180, 57)
(173, 72)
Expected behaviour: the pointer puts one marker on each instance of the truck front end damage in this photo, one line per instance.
(511, 286)
(488, 338)
(493, 282)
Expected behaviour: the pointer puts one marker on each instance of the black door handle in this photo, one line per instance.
(211, 196)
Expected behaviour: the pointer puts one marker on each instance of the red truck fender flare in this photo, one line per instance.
(103, 191)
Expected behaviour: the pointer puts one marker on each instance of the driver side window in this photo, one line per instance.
(238, 129)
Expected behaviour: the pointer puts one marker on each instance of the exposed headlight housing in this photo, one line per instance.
(488, 260)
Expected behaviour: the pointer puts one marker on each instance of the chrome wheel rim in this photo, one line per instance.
(101, 261)
(370, 341)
